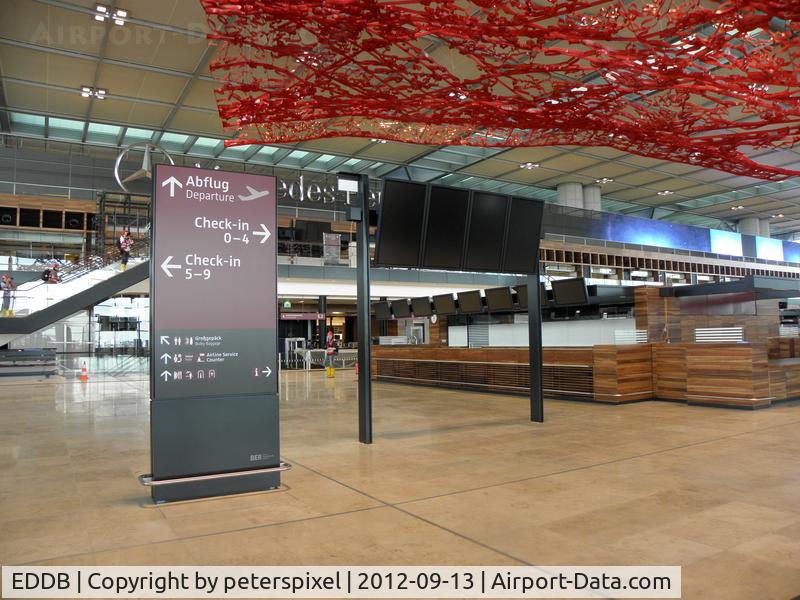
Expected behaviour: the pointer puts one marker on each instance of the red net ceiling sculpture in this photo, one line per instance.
(693, 81)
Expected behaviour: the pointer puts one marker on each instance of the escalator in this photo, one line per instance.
(82, 286)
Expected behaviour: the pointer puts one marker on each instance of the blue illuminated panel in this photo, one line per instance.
(726, 242)
(791, 252)
(769, 249)
(648, 232)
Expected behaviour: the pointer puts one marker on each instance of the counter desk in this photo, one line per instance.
(739, 375)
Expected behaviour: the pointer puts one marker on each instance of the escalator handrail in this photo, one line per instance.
(89, 264)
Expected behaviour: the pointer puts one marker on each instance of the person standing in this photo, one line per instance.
(53, 274)
(8, 286)
(330, 352)
(125, 244)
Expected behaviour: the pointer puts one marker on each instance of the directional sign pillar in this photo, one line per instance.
(213, 359)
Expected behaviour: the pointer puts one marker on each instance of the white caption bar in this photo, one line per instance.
(343, 582)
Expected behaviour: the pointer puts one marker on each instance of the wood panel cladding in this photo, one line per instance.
(622, 373)
(784, 378)
(675, 319)
(669, 371)
(727, 374)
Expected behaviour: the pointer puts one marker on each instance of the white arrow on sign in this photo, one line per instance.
(171, 182)
(165, 357)
(268, 371)
(264, 234)
(166, 266)
(166, 375)
(165, 340)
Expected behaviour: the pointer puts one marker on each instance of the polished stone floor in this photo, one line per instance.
(453, 478)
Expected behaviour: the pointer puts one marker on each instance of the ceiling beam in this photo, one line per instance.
(195, 33)
(5, 117)
(61, 88)
(99, 65)
(208, 53)
(94, 58)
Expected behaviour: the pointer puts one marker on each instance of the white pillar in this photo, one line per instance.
(749, 226)
(570, 194)
(592, 197)
(763, 227)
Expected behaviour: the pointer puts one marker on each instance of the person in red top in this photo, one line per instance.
(330, 351)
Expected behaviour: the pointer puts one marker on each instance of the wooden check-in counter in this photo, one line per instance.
(733, 375)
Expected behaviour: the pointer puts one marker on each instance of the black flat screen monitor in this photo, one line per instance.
(570, 292)
(400, 224)
(447, 224)
(522, 238)
(401, 309)
(444, 304)
(486, 232)
(499, 299)
(470, 302)
(382, 311)
(522, 295)
(421, 307)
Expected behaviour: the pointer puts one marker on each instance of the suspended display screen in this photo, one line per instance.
(401, 309)
(447, 223)
(421, 307)
(522, 295)
(444, 304)
(499, 299)
(486, 233)
(400, 224)
(437, 227)
(522, 239)
(570, 292)
(470, 302)
(382, 311)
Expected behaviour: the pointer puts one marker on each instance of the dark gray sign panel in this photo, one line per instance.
(214, 370)
(214, 286)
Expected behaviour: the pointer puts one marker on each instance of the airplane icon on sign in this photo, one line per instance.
(254, 194)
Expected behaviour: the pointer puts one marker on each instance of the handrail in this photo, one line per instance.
(89, 264)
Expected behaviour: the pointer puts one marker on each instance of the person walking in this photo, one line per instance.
(125, 244)
(330, 352)
(8, 286)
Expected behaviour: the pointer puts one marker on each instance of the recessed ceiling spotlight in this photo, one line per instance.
(737, 207)
(666, 193)
(529, 165)
(604, 180)
(778, 216)
(197, 165)
(377, 141)
(216, 167)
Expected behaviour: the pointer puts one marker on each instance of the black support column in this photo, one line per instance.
(363, 325)
(322, 308)
(535, 346)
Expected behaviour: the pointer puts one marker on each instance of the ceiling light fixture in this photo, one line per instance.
(377, 141)
(103, 13)
(737, 207)
(88, 91)
(778, 216)
(666, 193)
(604, 180)
(529, 165)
